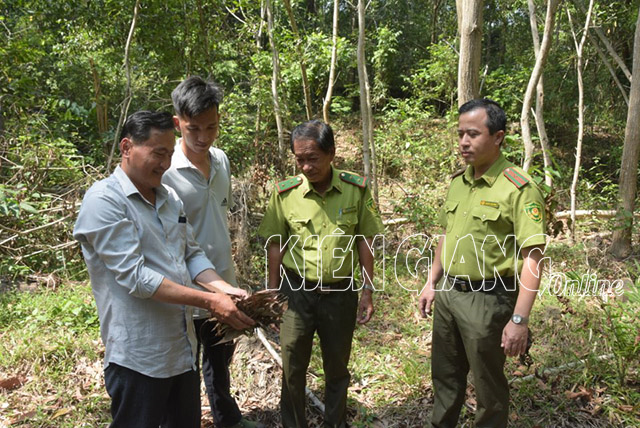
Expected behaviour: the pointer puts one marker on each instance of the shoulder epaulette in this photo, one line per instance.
(355, 179)
(515, 176)
(288, 184)
(458, 173)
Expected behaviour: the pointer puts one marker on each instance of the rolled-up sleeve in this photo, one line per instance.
(104, 228)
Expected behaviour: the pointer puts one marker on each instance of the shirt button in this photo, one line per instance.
(464, 214)
(484, 216)
(324, 224)
(324, 202)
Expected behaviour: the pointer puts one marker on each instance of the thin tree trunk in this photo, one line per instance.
(368, 148)
(303, 66)
(127, 98)
(542, 52)
(470, 28)
(579, 66)
(607, 63)
(334, 59)
(621, 245)
(205, 34)
(101, 107)
(256, 138)
(434, 21)
(607, 44)
(275, 77)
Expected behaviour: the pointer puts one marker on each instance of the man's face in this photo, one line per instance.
(477, 146)
(198, 132)
(313, 162)
(145, 162)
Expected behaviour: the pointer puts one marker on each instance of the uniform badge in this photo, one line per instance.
(371, 206)
(534, 211)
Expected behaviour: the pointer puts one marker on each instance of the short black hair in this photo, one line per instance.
(496, 117)
(138, 126)
(314, 130)
(194, 95)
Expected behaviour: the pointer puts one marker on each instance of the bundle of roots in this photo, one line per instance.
(264, 307)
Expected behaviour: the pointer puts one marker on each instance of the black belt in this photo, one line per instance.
(488, 285)
(320, 286)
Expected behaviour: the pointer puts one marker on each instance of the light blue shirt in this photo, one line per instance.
(129, 246)
(206, 203)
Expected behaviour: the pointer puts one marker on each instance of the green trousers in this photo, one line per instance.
(332, 316)
(467, 332)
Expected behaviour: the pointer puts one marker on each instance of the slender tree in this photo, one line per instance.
(368, 147)
(127, 98)
(470, 29)
(334, 59)
(580, 68)
(275, 80)
(621, 245)
(303, 65)
(536, 83)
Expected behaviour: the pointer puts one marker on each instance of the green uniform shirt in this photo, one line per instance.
(479, 215)
(326, 225)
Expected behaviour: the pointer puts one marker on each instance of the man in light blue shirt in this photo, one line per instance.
(142, 259)
(201, 176)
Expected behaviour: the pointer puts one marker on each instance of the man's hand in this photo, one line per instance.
(514, 339)
(235, 291)
(225, 311)
(426, 299)
(365, 307)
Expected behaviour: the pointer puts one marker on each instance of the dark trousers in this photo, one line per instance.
(139, 401)
(215, 373)
(467, 332)
(332, 316)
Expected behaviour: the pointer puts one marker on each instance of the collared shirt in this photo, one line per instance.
(206, 203)
(488, 221)
(129, 246)
(321, 228)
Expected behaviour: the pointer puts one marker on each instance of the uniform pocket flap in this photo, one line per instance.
(486, 213)
(450, 206)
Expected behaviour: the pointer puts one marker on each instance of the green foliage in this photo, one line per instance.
(433, 82)
(383, 63)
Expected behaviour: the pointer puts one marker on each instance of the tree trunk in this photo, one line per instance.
(127, 98)
(368, 148)
(470, 29)
(205, 34)
(101, 106)
(434, 21)
(275, 78)
(541, 52)
(607, 63)
(621, 245)
(303, 66)
(334, 59)
(579, 67)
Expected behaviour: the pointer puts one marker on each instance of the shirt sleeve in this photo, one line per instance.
(369, 221)
(529, 217)
(104, 227)
(274, 221)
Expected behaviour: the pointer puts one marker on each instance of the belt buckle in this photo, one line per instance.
(463, 286)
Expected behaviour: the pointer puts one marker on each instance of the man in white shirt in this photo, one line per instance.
(142, 259)
(201, 176)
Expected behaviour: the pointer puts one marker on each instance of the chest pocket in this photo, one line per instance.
(450, 212)
(348, 223)
(299, 226)
(485, 222)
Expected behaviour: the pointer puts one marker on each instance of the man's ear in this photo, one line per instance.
(125, 147)
(500, 137)
(176, 123)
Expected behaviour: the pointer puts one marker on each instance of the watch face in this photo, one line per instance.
(517, 319)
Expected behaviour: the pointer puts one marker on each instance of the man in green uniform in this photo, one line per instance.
(491, 257)
(317, 225)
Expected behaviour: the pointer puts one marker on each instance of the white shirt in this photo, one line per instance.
(129, 245)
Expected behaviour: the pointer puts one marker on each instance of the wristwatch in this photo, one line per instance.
(368, 287)
(519, 319)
